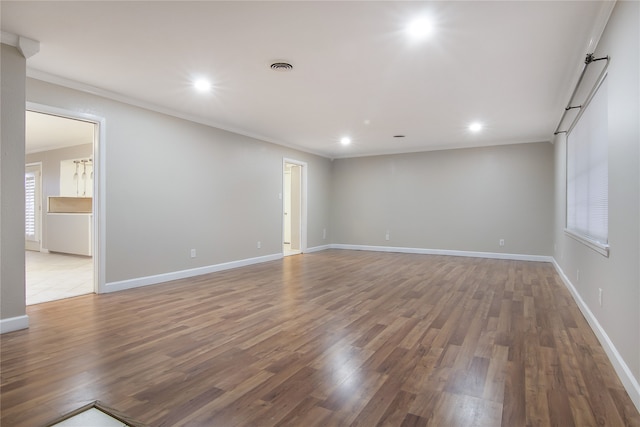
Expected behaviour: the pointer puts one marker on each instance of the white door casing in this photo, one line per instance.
(294, 206)
(99, 208)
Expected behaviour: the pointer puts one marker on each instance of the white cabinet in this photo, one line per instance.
(70, 233)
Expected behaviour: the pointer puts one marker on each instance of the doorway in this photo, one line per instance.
(61, 215)
(293, 207)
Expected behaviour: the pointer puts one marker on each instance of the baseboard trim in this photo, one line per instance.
(183, 274)
(317, 249)
(14, 324)
(629, 382)
(493, 255)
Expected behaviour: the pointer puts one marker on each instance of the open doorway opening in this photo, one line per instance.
(294, 207)
(59, 208)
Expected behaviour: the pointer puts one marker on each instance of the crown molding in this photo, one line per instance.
(9, 38)
(125, 99)
(27, 47)
(600, 23)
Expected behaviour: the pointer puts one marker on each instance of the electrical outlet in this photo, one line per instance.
(386, 236)
(193, 253)
(259, 245)
(501, 242)
(578, 275)
(324, 233)
(600, 296)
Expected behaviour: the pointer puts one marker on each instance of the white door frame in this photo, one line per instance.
(98, 185)
(303, 201)
(286, 239)
(38, 213)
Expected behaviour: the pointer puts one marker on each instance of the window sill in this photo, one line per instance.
(601, 248)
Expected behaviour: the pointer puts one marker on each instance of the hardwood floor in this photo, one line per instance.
(323, 339)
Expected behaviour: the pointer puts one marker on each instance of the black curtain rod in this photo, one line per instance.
(589, 59)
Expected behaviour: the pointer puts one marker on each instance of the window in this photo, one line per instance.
(30, 205)
(588, 174)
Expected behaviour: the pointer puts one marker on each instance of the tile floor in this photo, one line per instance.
(53, 276)
(91, 417)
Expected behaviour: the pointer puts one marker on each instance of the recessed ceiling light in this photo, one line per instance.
(345, 140)
(420, 28)
(202, 85)
(475, 127)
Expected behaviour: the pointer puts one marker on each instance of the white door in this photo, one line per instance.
(33, 206)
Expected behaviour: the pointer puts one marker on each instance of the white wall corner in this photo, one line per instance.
(629, 382)
(14, 324)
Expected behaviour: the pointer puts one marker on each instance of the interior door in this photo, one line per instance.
(33, 207)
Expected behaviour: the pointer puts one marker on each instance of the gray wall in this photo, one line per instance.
(51, 174)
(618, 275)
(173, 185)
(12, 75)
(465, 200)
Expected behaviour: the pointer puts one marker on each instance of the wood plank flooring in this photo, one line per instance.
(334, 338)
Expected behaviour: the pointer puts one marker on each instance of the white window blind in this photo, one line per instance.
(588, 172)
(30, 205)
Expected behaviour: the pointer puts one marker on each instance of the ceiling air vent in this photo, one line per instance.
(281, 66)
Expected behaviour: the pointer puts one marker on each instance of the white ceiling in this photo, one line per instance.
(509, 64)
(47, 132)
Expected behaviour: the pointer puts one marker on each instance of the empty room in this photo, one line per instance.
(321, 213)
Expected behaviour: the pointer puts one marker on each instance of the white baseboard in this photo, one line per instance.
(183, 274)
(317, 249)
(629, 382)
(494, 255)
(14, 324)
